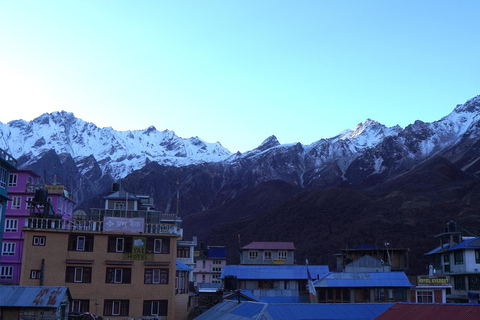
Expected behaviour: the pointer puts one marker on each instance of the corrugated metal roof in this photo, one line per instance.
(416, 311)
(180, 266)
(318, 311)
(32, 296)
(364, 279)
(467, 244)
(231, 310)
(437, 249)
(274, 272)
(217, 252)
(226, 311)
(271, 246)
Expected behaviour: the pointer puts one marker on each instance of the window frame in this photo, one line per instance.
(12, 180)
(118, 275)
(110, 306)
(458, 257)
(16, 203)
(156, 276)
(424, 295)
(283, 255)
(35, 274)
(39, 240)
(6, 272)
(267, 255)
(3, 177)
(11, 225)
(253, 254)
(8, 248)
(75, 274)
(80, 305)
(162, 308)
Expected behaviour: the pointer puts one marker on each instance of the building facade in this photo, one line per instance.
(268, 253)
(7, 163)
(118, 263)
(458, 257)
(25, 190)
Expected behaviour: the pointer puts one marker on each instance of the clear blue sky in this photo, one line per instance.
(239, 71)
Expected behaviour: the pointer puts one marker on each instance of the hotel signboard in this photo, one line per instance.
(139, 250)
(130, 225)
(440, 281)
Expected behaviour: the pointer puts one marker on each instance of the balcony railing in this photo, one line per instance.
(150, 216)
(88, 225)
(4, 155)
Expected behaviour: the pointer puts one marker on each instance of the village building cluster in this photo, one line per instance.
(127, 260)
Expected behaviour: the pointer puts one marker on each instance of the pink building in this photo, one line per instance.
(22, 188)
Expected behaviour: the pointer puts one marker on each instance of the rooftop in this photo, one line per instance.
(273, 272)
(270, 246)
(364, 279)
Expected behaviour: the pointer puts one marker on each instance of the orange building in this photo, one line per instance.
(118, 267)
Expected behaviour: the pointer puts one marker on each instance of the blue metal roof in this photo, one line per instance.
(217, 252)
(318, 311)
(467, 244)
(32, 296)
(270, 272)
(364, 279)
(180, 266)
(473, 243)
(231, 310)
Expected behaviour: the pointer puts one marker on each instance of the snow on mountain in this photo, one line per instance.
(118, 152)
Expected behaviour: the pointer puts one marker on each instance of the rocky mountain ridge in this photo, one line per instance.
(207, 175)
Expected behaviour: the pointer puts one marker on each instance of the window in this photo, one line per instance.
(6, 272)
(268, 255)
(459, 282)
(60, 205)
(119, 205)
(474, 282)
(11, 225)
(181, 282)
(217, 261)
(204, 263)
(120, 244)
(79, 274)
(12, 180)
(157, 245)
(282, 255)
(118, 275)
(458, 257)
(217, 269)
(35, 274)
(39, 240)
(424, 297)
(216, 276)
(379, 294)
(252, 255)
(155, 308)
(80, 243)
(156, 276)
(80, 306)
(446, 268)
(8, 249)
(446, 258)
(29, 202)
(3, 177)
(116, 307)
(16, 202)
(183, 252)
(477, 255)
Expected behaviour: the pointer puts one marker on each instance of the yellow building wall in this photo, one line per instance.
(55, 255)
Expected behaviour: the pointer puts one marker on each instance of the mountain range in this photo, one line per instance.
(363, 185)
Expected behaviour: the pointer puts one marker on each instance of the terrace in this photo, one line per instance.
(96, 226)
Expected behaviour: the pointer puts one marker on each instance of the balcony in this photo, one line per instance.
(95, 226)
(8, 158)
(150, 216)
